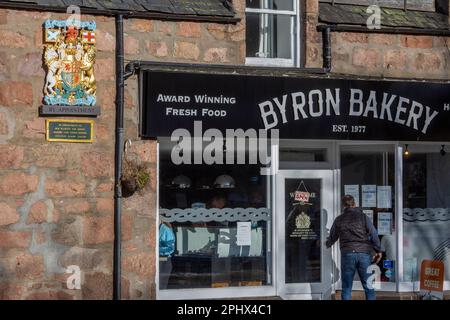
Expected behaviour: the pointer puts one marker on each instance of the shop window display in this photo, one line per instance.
(426, 213)
(221, 220)
(369, 177)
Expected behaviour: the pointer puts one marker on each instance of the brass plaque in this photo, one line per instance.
(70, 130)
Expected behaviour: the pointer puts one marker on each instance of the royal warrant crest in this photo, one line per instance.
(69, 56)
(302, 221)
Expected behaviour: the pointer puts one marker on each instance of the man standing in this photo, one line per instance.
(358, 239)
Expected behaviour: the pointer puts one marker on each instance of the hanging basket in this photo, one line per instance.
(134, 176)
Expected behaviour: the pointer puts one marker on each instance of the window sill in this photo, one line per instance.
(270, 62)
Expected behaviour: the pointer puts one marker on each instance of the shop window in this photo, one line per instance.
(221, 220)
(271, 32)
(426, 209)
(369, 176)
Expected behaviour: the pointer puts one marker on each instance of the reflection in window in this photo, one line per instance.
(221, 223)
(426, 210)
(270, 29)
(268, 36)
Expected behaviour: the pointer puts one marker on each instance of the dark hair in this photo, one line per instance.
(348, 201)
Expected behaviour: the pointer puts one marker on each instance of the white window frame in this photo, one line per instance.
(295, 32)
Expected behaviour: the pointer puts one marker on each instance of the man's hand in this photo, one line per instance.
(377, 257)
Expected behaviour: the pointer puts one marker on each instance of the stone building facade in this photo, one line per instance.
(57, 199)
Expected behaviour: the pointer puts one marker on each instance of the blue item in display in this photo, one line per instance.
(388, 264)
(388, 273)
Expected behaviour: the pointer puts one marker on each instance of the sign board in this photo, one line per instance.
(302, 196)
(384, 223)
(308, 107)
(432, 279)
(69, 57)
(70, 130)
(384, 197)
(69, 111)
(369, 196)
(244, 233)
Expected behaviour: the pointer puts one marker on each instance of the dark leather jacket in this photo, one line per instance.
(355, 232)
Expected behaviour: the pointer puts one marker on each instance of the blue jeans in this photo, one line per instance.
(350, 263)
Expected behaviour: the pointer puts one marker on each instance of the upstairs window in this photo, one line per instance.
(272, 32)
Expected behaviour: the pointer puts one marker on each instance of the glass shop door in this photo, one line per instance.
(304, 216)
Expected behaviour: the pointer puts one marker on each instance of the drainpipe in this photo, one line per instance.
(326, 38)
(118, 158)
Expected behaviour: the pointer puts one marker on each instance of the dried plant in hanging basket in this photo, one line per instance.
(134, 177)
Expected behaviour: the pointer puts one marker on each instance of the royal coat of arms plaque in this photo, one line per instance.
(69, 57)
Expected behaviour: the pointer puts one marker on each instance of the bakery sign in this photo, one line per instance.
(309, 107)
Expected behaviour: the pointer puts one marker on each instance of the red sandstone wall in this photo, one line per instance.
(56, 199)
(378, 55)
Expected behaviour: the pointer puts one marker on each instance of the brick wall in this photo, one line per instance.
(378, 55)
(56, 199)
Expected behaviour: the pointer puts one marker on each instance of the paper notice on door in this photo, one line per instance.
(244, 234)
(369, 196)
(384, 197)
(384, 223)
(352, 190)
(369, 213)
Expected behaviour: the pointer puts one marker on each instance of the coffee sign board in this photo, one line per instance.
(432, 279)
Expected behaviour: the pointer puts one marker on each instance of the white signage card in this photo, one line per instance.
(352, 190)
(244, 234)
(369, 196)
(384, 223)
(369, 213)
(384, 197)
